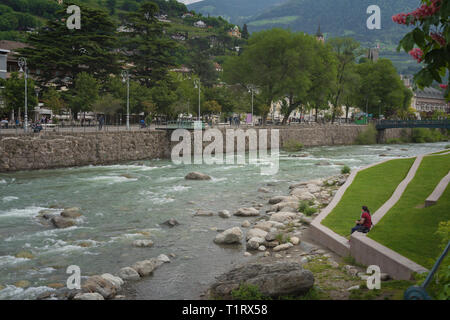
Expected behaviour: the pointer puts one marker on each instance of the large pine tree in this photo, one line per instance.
(61, 54)
(148, 48)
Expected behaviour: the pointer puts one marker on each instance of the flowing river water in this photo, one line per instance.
(120, 201)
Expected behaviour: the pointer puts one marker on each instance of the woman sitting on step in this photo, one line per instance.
(364, 223)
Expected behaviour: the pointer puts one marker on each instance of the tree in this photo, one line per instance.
(107, 105)
(53, 100)
(301, 59)
(14, 94)
(56, 50)
(111, 5)
(148, 48)
(245, 34)
(381, 89)
(323, 77)
(263, 64)
(85, 93)
(345, 50)
(432, 38)
(212, 107)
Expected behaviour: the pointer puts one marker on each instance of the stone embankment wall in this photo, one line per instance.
(53, 150)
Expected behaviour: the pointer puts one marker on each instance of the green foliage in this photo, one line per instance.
(53, 101)
(305, 207)
(422, 135)
(247, 292)
(293, 146)
(85, 93)
(368, 136)
(14, 94)
(346, 170)
(436, 56)
(57, 50)
(150, 49)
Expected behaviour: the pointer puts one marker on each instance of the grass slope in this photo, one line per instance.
(409, 229)
(372, 187)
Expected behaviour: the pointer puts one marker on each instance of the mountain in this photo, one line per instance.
(236, 11)
(336, 17)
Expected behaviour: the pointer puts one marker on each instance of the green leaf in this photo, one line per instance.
(419, 37)
(408, 42)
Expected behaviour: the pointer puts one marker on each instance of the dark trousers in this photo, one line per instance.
(360, 228)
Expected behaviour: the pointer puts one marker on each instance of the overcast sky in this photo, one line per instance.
(189, 1)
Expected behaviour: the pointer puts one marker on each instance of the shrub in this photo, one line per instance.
(247, 292)
(305, 208)
(292, 146)
(394, 141)
(310, 211)
(345, 170)
(422, 135)
(368, 136)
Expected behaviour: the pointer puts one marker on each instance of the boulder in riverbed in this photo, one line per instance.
(224, 214)
(97, 284)
(256, 233)
(143, 243)
(170, 223)
(254, 243)
(272, 279)
(71, 213)
(89, 296)
(197, 176)
(247, 212)
(146, 267)
(117, 282)
(128, 273)
(230, 236)
(61, 222)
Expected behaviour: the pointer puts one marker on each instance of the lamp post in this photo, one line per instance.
(23, 68)
(126, 79)
(252, 90)
(197, 84)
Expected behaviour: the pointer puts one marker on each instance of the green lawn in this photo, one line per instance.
(372, 187)
(409, 229)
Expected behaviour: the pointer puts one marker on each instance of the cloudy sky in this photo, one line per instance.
(189, 1)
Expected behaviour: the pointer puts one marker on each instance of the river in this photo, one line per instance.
(119, 201)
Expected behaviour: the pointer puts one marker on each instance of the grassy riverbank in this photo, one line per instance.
(372, 187)
(409, 228)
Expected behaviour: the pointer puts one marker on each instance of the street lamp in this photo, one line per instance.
(197, 84)
(126, 79)
(252, 90)
(23, 68)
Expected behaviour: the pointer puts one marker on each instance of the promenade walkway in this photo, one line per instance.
(365, 250)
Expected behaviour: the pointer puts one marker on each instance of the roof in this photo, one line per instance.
(319, 33)
(11, 45)
(430, 93)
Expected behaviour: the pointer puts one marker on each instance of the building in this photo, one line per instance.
(188, 14)
(373, 54)
(430, 100)
(200, 24)
(9, 53)
(319, 35)
(3, 62)
(235, 32)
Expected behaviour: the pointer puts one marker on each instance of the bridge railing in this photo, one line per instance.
(387, 124)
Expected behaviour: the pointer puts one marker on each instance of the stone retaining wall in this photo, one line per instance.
(53, 150)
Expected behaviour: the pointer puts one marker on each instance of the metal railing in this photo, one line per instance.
(389, 124)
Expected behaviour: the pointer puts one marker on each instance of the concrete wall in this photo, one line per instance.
(395, 133)
(52, 150)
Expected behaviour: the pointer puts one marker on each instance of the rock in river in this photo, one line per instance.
(143, 243)
(224, 214)
(171, 223)
(71, 213)
(128, 273)
(89, 296)
(61, 222)
(233, 235)
(247, 212)
(97, 284)
(273, 279)
(197, 176)
(146, 267)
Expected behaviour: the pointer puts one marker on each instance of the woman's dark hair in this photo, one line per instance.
(366, 209)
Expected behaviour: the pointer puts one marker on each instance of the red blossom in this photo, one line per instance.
(444, 86)
(423, 12)
(417, 54)
(438, 38)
